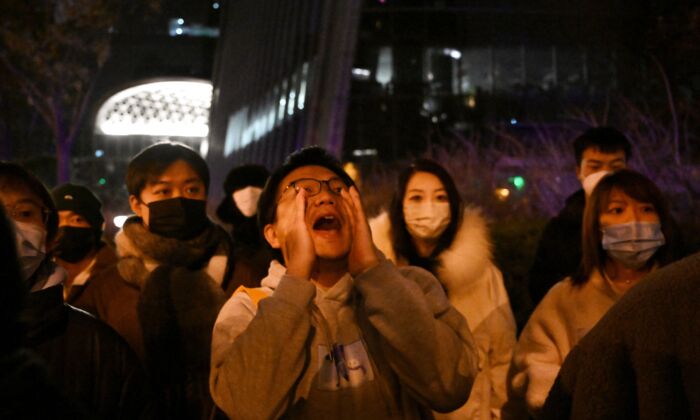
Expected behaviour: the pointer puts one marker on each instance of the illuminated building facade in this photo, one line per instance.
(427, 72)
(281, 79)
(421, 71)
(380, 80)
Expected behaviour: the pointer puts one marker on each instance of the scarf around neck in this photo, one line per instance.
(136, 245)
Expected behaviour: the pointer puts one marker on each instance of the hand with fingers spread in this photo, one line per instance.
(298, 247)
(363, 254)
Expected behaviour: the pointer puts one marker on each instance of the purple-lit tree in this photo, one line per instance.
(53, 50)
(674, 49)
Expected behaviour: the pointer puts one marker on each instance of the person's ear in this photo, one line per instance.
(270, 234)
(135, 205)
(578, 173)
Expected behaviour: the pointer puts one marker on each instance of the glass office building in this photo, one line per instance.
(383, 79)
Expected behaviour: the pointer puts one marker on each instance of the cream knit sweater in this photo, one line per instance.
(563, 317)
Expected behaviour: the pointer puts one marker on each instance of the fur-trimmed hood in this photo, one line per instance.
(467, 258)
(475, 288)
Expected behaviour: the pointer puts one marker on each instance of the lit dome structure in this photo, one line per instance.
(171, 108)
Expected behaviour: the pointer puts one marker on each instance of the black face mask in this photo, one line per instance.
(178, 218)
(74, 243)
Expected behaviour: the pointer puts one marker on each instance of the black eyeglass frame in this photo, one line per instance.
(319, 186)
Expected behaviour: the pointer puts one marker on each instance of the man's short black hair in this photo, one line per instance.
(152, 161)
(605, 139)
(308, 156)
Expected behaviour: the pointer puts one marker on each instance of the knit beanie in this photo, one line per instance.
(245, 176)
(80, 200)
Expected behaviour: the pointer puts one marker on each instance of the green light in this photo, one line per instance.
(518, 182)
(102, 181)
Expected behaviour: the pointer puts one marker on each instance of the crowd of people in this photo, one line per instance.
(293, 303)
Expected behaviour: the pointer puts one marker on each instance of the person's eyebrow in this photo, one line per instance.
(318, 179)
(26, 201)
(299, 179)
(617, 201)
(191, 180)
(415, 190)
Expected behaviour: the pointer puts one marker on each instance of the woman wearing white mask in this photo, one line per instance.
(91, 365)
(31, 209)
(627, 232)
(428, 226)
(239, 209)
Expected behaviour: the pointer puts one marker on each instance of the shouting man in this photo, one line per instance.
(338, 331)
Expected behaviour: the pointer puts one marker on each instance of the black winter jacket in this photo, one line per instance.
(86, 359)
(27, 392)
(558, 253)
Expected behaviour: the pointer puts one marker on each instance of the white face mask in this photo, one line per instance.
(589, 183)
(246, 200)
(30, 240)
(426, 220)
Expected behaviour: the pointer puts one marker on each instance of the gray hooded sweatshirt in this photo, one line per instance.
(385, 344)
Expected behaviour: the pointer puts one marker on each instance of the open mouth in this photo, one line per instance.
(328, 222)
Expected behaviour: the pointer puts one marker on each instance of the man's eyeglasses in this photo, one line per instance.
(28, 212)
(313, 186)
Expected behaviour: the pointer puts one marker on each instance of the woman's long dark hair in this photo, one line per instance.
(403, 243)
(640, 188)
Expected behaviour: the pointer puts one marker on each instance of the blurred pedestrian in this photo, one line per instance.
(239, 209)
(626, 235)
(27, 392)
(94, 283)
(428, 226)
(86, 359)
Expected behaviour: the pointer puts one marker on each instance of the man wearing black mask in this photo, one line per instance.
(79, 248)
(177, 260)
